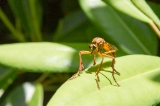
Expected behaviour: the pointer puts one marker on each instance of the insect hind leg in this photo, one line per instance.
(113, 69)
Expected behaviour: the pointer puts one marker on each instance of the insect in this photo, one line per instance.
(102, 48)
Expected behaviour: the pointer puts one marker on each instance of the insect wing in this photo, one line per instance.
(114, 47)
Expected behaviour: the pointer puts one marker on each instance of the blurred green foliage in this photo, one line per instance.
(72, 24)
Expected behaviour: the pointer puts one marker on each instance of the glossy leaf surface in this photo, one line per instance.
(43, 57)
(139, 80)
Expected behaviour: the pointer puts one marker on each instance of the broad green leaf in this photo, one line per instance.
(137, 9)
(145, 8)
(155, 7)
(130, 35)
(72, 28)
(44, 56)
(6, 78)
(129, 8)
(27, 94)
(139, 80)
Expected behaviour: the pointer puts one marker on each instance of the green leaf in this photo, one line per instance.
(72, 28)
(129, 8)
(139, 80)
(144, 8)
(27, 94)
(126, 33)
(44, 56)
(37, 98)
(155, 7)
(6, 78)
(137, 9)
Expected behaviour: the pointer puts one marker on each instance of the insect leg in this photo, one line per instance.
(80, 63)
(114, 70)
(94, 59)
(112, 65)
(99, 68)
(80, 60)
(108, 54)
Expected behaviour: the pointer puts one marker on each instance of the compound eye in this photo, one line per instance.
(94, 47)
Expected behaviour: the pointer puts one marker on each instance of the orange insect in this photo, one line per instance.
(102, 48)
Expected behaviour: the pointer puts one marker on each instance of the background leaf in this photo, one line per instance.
(139, 82)
(129, 8)
(25, 95)
(70, 28)
(137, 9)
(43, 57)
(145, 8)
(7, 76)
(155, 7)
